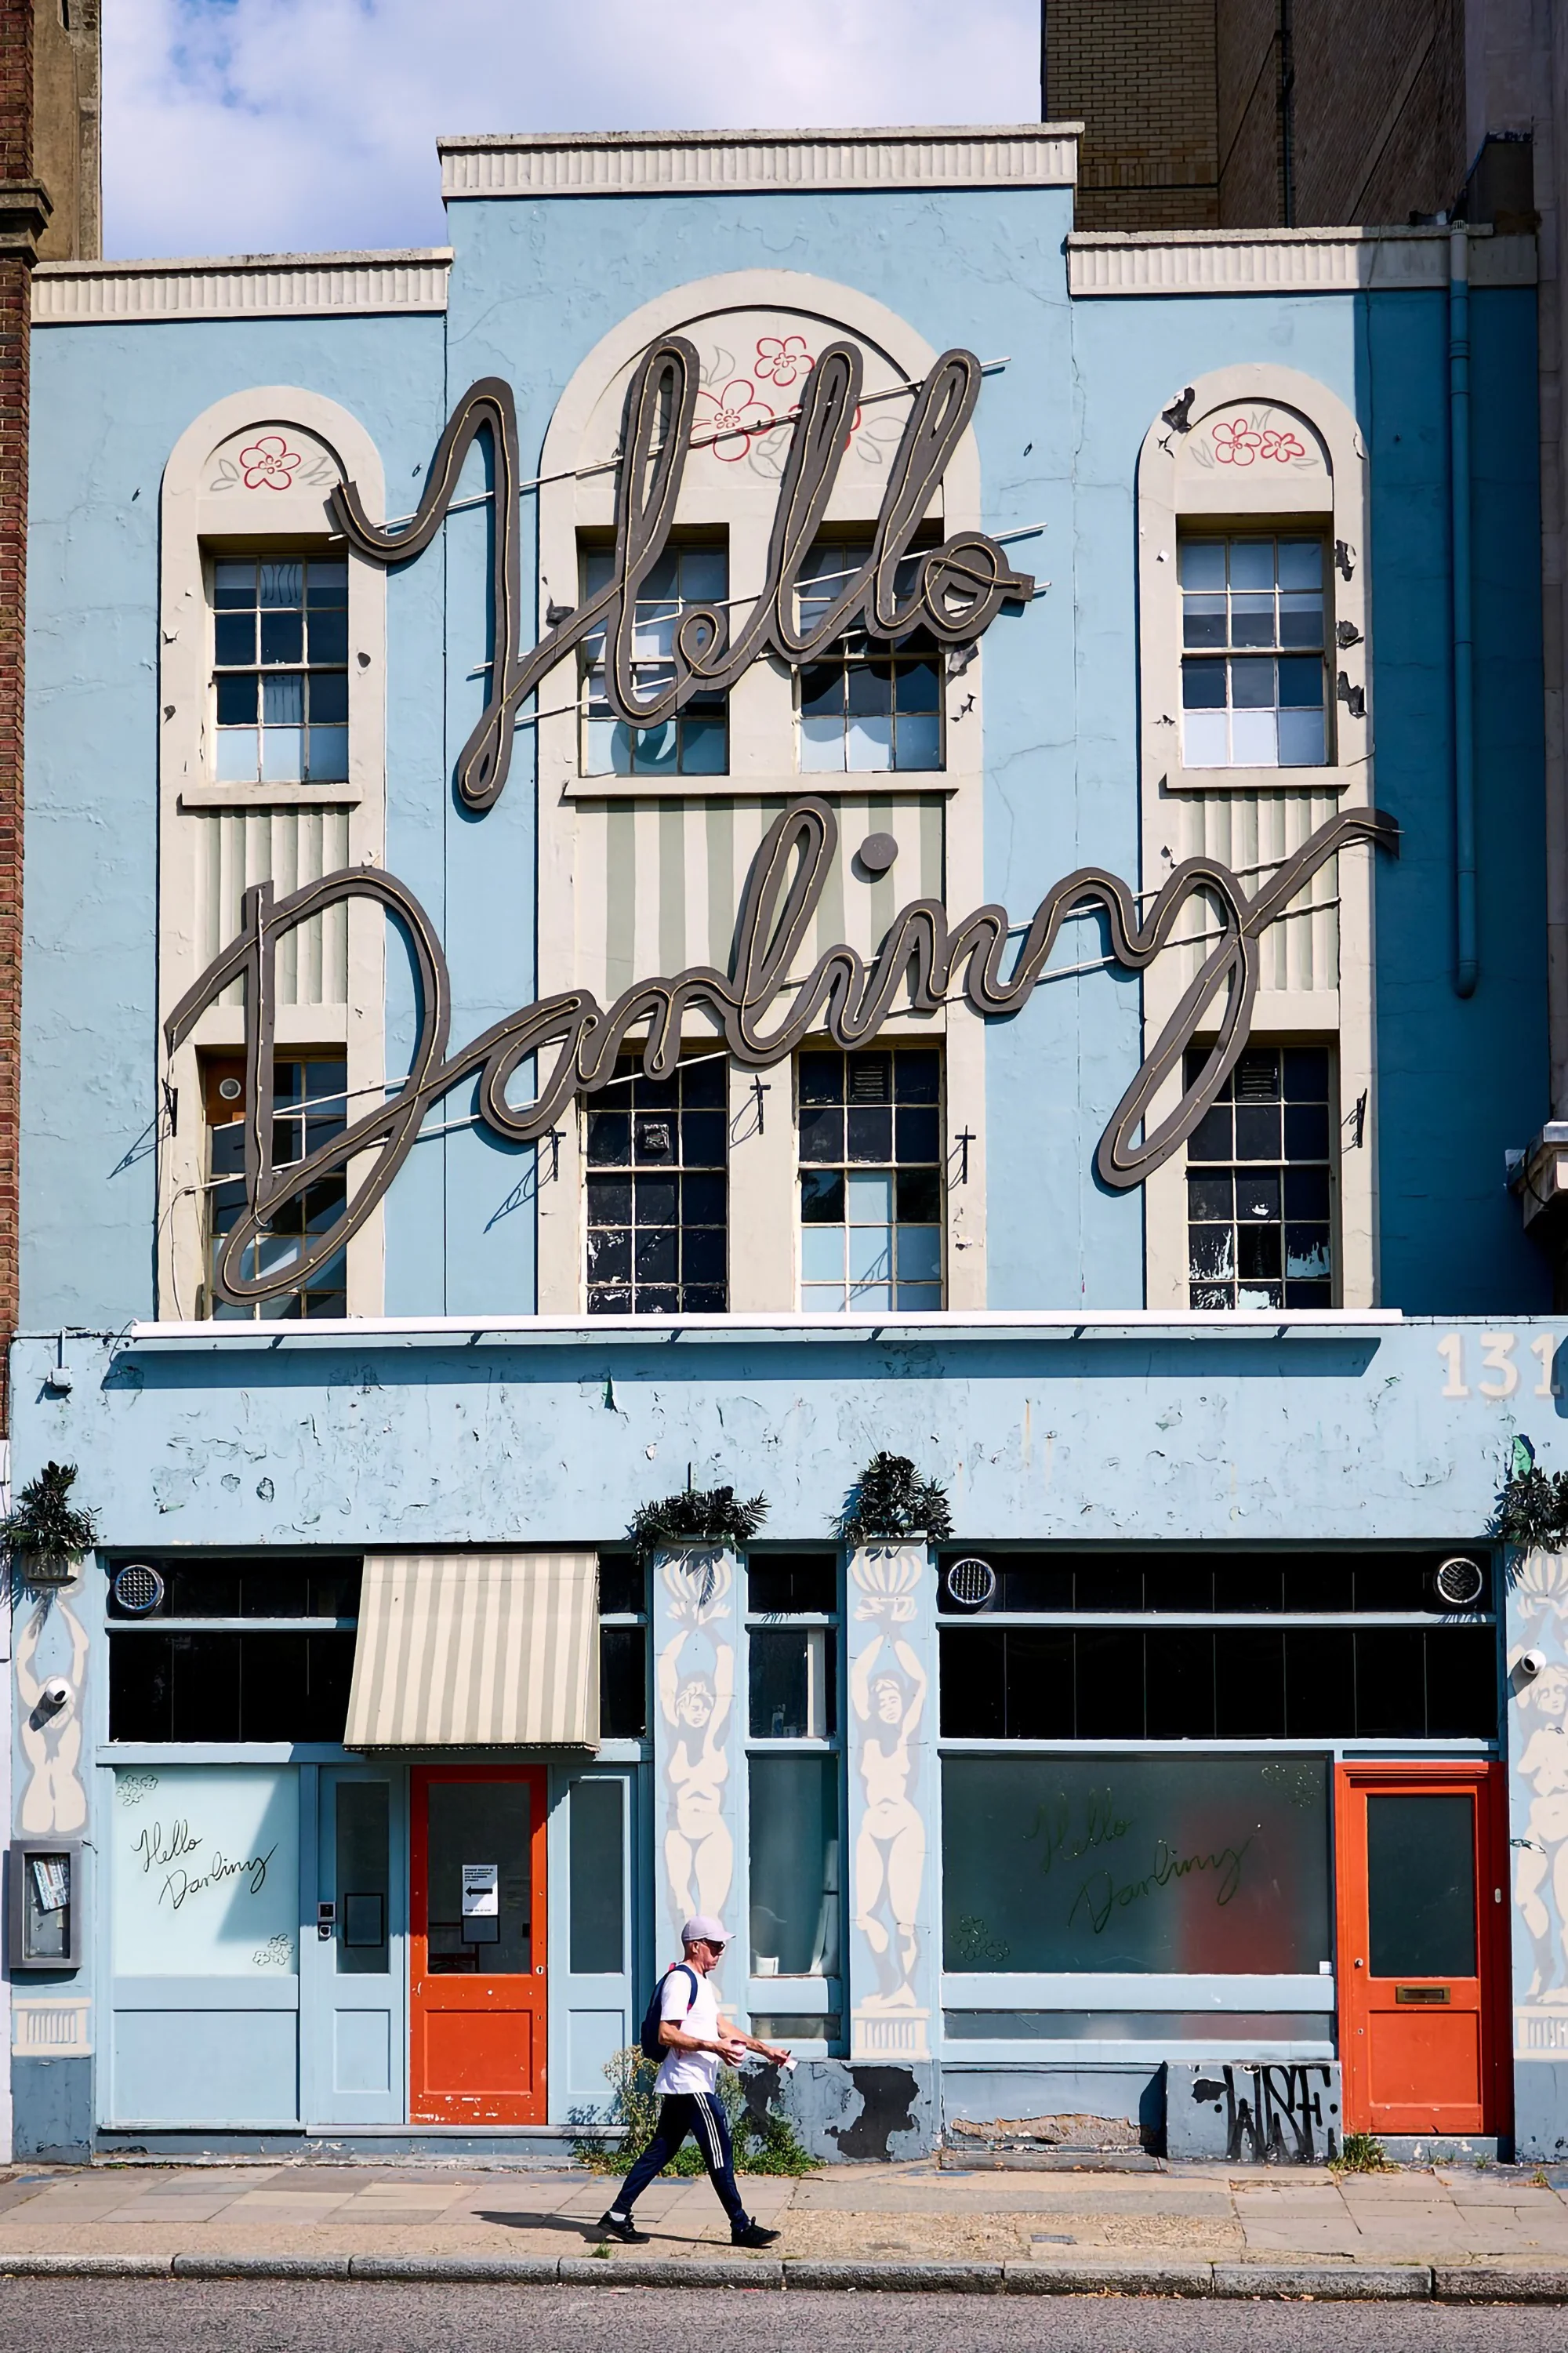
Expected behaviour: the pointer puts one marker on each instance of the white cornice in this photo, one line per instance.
(1285, 261)
(625, 162)
(241, 286)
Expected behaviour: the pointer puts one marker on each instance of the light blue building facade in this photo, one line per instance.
(890, 553)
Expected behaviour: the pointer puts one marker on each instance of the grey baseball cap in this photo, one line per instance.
(703, 1929)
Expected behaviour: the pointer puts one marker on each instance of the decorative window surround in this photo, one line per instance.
(1319, 967)
(1024, 154)
(729, 318)
(215, 839)
(1277, 260)
(299, 285)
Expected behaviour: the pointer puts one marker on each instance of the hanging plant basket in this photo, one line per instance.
(1532, 1511)
(697, 1515)
(892, 1504)
(47, 1534)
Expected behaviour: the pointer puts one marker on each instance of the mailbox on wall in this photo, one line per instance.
(44, 1907)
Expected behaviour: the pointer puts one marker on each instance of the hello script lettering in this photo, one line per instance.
(761, 1008)
(953, 592)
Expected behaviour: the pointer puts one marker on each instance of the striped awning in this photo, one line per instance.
(476, 1649)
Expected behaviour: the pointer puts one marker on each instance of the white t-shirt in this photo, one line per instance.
(689, 2070)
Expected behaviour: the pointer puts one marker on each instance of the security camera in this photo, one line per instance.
(55, 1694)
(1529, 1665)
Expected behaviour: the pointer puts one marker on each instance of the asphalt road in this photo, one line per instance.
(200, 2316)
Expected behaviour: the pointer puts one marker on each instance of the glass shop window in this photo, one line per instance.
(231, 1651)
(1228, 1581)
(867, 705)
(795, 1866)
(1135, 1863)
(1254, 653)
(658, 1192)
(792, 1637)
(1260, 1172)
(623, 1648)
(598, 1844)
(309, 1107)
(1227, 1682)
(795, 1842)
(696, 742)
(869, 1129)
(280, 676)
(362, 1838)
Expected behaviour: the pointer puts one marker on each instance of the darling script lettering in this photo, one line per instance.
(924, 959)
(161, 1851)
(1102, 1894)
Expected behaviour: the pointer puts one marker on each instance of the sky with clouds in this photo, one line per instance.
(234, 126)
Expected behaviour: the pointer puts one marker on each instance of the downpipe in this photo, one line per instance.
(1466, 951)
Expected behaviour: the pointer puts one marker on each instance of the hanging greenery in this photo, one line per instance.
(892, 1502)
(46, 1528)
(697, 1515)
(1532, 1508)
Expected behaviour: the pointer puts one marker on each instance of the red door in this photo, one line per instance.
(477, 2008)
(1423, 1948)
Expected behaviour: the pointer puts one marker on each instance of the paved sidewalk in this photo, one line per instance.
(1496, 2218)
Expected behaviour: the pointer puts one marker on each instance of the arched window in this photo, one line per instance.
(271, 766)
(1256, 727)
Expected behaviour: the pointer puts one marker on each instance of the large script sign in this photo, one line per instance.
(956, 591)
(763, 1010)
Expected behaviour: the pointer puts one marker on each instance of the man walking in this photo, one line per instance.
(694, 2039)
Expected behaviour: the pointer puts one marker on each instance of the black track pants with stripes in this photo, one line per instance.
(700, 2114)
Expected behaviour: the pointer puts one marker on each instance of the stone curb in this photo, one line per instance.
(1385, 2282)
(1052, 2278)
(1472, 2284)
(1369, 2283)
(941, 2279)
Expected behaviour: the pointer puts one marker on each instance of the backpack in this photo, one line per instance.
(652, 2018)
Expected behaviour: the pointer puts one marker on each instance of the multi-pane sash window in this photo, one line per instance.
(696, 742)
(1260, 1173)
(310, 1106)
(1253, 668)
(281, 651)
(870, 1178)
(869, 705)
(658, 1210)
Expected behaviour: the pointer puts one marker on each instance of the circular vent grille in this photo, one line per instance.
(970, 1582)
(137, 1587)
(1459, 1583)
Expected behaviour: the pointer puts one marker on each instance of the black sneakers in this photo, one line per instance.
(622, 2227)
(754, 2236)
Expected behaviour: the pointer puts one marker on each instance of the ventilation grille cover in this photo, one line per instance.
(1460, 1583)
(970, 1582)
(138, 1587)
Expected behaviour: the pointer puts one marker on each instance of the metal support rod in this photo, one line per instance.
(1467, 954)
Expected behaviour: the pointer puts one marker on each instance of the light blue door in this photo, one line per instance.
(592, 1936)
(355, 1970)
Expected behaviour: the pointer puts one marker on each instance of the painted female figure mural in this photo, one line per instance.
(888, 1692)
(696, 1692)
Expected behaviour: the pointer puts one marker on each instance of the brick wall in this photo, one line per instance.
(1141, 78)
(1248, 64)
(22, 214)
(1181, 101)
(1379, 108)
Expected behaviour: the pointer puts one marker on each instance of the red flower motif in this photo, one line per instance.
(780, 360)
(1283, 446)
(268, 461)
(737, 414)
(1236, 445)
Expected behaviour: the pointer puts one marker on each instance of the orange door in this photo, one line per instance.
(477, 2008)
(1423, 1948)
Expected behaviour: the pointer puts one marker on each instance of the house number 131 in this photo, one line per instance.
(1499, 1374)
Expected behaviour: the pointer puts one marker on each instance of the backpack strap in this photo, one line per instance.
(685, 1969)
